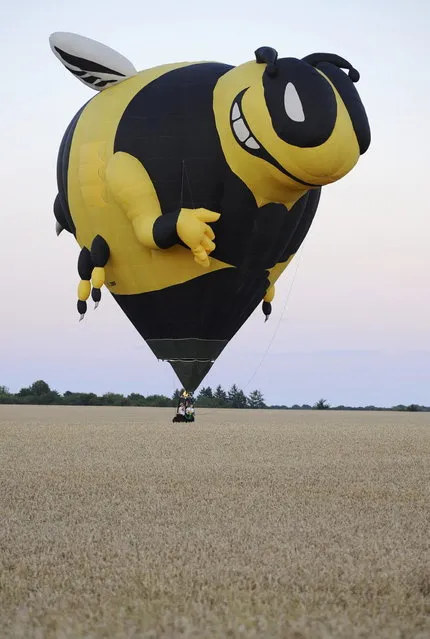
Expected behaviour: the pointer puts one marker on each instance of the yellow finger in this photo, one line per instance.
(204, 215)
(208, 245)
(204, 263)
(200, 256)
(209, 233)
(200, 253)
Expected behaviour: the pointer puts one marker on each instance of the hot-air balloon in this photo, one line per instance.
(190, 186)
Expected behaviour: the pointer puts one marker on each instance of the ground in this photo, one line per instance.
(116, 523)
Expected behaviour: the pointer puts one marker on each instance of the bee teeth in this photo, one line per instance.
(241, 130)
(252, 143)
(235, 114)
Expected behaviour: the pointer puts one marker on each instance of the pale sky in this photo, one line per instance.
(356, 328)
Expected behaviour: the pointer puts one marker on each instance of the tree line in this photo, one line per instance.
(40, 393)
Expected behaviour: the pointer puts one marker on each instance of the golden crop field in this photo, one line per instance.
(114, 522)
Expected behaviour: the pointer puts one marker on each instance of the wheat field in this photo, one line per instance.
(116, 523)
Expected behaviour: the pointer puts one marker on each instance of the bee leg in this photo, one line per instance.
(268, 298)
(100, 254)
(85, 267)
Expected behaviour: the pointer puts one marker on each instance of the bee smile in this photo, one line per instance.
(244, 136)
(240, 129)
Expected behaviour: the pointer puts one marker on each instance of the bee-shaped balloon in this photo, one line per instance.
(190, 186)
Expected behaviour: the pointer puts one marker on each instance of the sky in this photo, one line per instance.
(351, 316)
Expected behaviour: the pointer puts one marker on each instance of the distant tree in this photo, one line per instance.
(241, 399)
(52, 397)
(135, 399)
(38, 393)
(23, 392)
(72, 399)
(236, 397)
(413, 408)
(81, 399)
(91, 399)
(231, 395)
(206, 399)
(256, 400)
(114, 399)
(205, 392)
(176, 395)
(5, 396)
(39, 388)
(221, 396)
(158, 400)
(321, 404)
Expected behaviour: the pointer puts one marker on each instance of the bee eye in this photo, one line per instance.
(292, 104)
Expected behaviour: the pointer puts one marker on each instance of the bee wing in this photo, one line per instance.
(95, 64)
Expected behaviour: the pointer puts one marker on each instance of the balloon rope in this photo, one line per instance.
(259, 365)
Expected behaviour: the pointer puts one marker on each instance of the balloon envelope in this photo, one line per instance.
(190, 187)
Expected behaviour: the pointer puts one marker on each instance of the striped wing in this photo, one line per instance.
(95, 64)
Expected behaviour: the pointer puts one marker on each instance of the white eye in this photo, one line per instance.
(293, 106)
